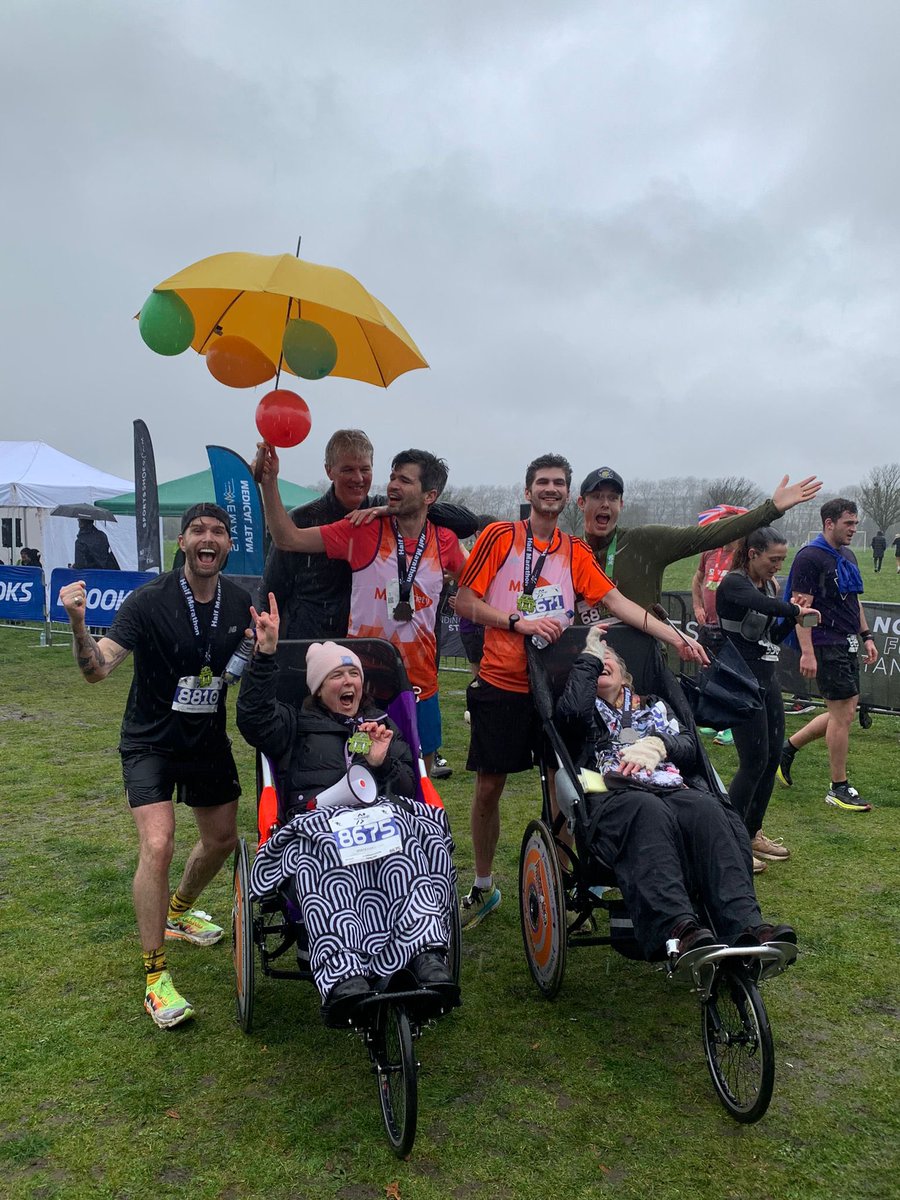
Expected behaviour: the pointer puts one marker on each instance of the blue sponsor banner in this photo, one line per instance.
(22, 594)
(106, 590)
(237, 492)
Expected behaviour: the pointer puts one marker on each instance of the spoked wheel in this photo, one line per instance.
(542, 908)
(242, 939)
(454, 950)
(738, 1044)
(395, 1073)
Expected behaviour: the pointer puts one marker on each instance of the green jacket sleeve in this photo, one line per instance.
(677, 542)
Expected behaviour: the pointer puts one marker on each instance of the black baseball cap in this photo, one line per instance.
(205, 510)
(603, 476)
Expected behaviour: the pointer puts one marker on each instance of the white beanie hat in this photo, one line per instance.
(324, 657)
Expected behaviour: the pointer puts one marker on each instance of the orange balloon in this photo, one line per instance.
(238, 363)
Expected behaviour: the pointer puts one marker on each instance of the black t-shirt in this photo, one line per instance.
(155, 625)
(814, 573)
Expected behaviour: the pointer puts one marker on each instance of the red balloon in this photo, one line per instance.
(282, 418)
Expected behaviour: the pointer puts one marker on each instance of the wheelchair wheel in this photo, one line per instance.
(542, 908)
(738, 1044)
(454, 950)
(242, 939)
(395, 1073)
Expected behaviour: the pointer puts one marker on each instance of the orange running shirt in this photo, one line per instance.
(495, 572)
(371, 551)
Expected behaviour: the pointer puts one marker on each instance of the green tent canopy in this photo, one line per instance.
(179, 494)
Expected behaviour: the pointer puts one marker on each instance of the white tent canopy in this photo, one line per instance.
(34, 479)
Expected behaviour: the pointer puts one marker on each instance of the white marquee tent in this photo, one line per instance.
(34, 479)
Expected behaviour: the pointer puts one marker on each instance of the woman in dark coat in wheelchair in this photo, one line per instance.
(664, 838)
(368, 918)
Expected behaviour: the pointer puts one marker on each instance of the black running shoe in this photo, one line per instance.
(785, 764)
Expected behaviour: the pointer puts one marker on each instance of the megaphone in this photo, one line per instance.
(355, 788)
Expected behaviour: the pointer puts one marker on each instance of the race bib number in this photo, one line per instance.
(771, 652)
(590, 614)
(192, 696)
(548, 601)
(364, 834)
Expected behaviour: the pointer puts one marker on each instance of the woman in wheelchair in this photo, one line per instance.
(375, 908)
(664, 833)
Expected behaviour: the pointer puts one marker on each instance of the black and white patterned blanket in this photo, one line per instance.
(366, 918)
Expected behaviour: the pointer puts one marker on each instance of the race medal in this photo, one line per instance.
(359, 743)
(205, 676)
(627, 737)
(526, 603)
(403, 611)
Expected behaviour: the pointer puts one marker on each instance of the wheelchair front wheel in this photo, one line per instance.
(542, 908)
(242, 948)
(738, 1044)
(396, 1076)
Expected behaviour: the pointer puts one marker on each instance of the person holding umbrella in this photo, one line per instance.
(92, 549)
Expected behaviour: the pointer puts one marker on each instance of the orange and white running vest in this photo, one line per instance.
(371, 607)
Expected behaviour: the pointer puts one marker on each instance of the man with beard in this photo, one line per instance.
(182, 628)
(398, 560)
(313, 590)
(521, 581)
(637, 558)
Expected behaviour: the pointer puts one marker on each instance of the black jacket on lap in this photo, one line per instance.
(307, 743)
(584, 732)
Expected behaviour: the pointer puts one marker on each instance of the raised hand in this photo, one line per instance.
(785, 496)
(267, 626)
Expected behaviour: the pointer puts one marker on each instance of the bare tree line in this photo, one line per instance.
(678, 499)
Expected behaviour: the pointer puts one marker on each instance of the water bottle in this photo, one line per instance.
(539, 643)
(235, 668)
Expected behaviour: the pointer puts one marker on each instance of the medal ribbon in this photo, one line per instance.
(530, 578)
(405, 577)
(192, 611)
(611, 556)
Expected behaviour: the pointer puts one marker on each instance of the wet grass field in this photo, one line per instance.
(602, 1092)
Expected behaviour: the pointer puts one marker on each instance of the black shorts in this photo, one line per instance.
(837, 672)
(203, 782)
(505, 729)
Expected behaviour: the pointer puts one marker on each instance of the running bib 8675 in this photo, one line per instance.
(364, 834)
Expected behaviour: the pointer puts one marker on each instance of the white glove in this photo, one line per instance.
(647, 753)
(595, 645)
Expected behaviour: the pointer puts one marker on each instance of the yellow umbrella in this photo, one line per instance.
(252, 296)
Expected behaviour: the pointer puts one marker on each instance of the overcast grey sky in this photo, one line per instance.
(661, 236)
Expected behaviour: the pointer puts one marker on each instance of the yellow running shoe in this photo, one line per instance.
(164, 1004)
(194, 926)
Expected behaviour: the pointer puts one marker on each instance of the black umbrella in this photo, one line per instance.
(84, 512)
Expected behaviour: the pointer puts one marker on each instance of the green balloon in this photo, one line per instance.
(166, 323)
(309, 349)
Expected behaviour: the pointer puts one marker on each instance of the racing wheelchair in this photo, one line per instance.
(268, 929)
(565, 889)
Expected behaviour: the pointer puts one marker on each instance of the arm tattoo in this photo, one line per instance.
(93, 663)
